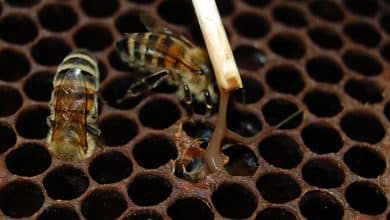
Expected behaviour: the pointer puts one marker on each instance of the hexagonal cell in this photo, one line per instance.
(13, 99)
(362, 7)
(181, 208)
(242, 160)
(362, 62)
(176, 11)
(8, 137)
(365, 91)
(57, 17)
(13, 65)
(50, 51)
(86, 37)
(327, 10)
(18, 29)
(31, 122)
(324, 69)
(225, 7)
(288, 46)
(150, 114)
(58, 212)
(39, 86)
(117, 130)
(243, 123)
(251, 92)
(116, 89)
(290, 16)
(249, 57)
(275, 213)
(365, 161)
(323, 103)
(285, 79)
(278, 187)
(323, 172)
(130, 22)
(322, 138)
(99, 8)
(277, 111)
(325, 37)
(362, 33)
(321, 205)
(251, 25)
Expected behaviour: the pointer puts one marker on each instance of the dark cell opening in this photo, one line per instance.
(366, 198)
(385, 51)
(364, 91)
(176, 11)
(290, 16)
(110, 168)
(385, 22)
(363, 63)
(327, 10)
(116, 89)
(285, 79)
(93, 37)
(39, 86)
(362, 7)
(324, 173)
(199, 130)
(144, 215)
(323, 104)
(278, 187)
(154, 151)
(258, 3)
(243, 123)
(20, 199)
(319, 205)
(57, 17)
(276, 111)
(149, 190)
(8, 137)
(150, 114)
(29, 160)
(65, 183)
(130, 22)
(251, 92)
(99, 8)
(362, 33)
(13, 65)
(50, 51)
(387, 111)
(242, 160)
(117, 130)
(365, 161)
(249, 57)
(13, 99)
(23, 3)
(322, 138)
(324, 69)
(281, 151)
(103, 204)
(31, 122)
(325, 37)
(190, 209)
(275, 214)
(362, 126)
(287, 45)
(58, 213)
(102, 71)
(142, 1)
(17, 29)
(251, 25)
(225, 7)
(233, 200)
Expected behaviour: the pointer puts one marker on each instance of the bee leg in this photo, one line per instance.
(93, 129)
(187, 95)
(50, 121)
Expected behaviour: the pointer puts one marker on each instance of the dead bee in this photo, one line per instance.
(74, 108)
(171, 57)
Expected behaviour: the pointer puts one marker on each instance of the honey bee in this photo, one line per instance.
(74, 108)
(170, 57)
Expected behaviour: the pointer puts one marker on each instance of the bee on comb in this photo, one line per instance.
(167, 56)
(74, 108)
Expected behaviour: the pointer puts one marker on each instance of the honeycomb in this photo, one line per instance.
(328, 58)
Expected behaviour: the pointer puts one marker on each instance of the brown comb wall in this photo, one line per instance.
(330, 58)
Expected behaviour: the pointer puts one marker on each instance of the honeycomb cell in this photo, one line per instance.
(251, 92)
(143, 215)
(199, 130)
(387, 111)
(324, 69)
(244, 123)
(385, 51)
(130, 22)
(142, 1)
(362, 7)
(258, 3)
(103, 204)
(325, 37)
(58, 213)
(362, 62)
(275, 213)
(322, 103)
(290, 16)
(320, 205)
(116, 89)
(150, 113)
(57, 17)
(242, 160)
(39, 86)
(288, 46)
(251, 25)
(30, 159)
(362, 33)
(225, 7)
(8, 137)
(385, 22)
(281, 151)
(99, 8)
(110, 167)
(277, 111)
(17, 29)
(149, 190)
(249, 57)
(362, 126)
(278, 187)
(65, 183)
(23, 3)
(233, 200)
(366, 198)
(285, 79)
(322, 138)
(327, 10)
(176, 11)
(323, 173)
(102, 71)
(365, 161)
(49, 51)
(13, 99)
(154, 151)
(13, 65)
(86, 37)
(20, 199)
(181, 208)
(365, 91)
(31, 122)
(117, 130)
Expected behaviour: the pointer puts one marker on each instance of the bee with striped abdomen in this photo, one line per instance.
(74, 110)
(170, 57)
